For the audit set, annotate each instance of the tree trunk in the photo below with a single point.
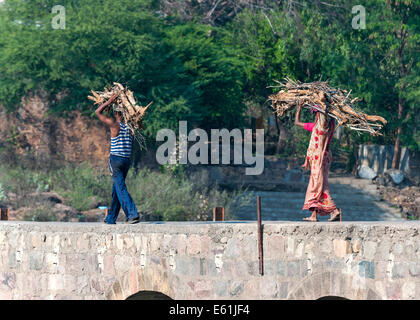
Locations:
(283, 135)
(397, 146)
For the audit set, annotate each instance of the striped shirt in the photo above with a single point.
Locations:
(121, 144)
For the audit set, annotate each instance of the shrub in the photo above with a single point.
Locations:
(170, 194)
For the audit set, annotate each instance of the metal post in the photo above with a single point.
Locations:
(260, 236)
(4, 214)
(219, 214)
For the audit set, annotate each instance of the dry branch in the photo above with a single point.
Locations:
(131, 113)
(337, 103)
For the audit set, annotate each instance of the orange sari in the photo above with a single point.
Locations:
(318, 160)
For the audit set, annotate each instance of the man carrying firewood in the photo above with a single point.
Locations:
(119, 163)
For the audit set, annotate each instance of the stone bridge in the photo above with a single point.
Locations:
(209, 260)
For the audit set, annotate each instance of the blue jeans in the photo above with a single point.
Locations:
(120, 197)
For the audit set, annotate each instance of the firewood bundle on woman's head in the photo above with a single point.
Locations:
(337, 103)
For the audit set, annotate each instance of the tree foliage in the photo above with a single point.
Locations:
(209, 73)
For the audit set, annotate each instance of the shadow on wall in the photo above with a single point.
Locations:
(149, 295)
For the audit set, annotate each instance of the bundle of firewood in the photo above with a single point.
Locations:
(131, 113)
(318, 95)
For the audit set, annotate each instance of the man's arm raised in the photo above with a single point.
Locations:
(99, 111)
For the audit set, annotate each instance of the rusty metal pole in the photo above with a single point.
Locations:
(219, 214)
(4, 214)
(260, 236)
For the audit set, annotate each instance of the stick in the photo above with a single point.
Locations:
(260, 237)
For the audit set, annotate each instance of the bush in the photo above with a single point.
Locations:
(78, 184)
(179, 198)
(170, 194)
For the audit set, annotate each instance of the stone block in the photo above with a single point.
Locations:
(393, 291)
(12, 260)
(82, 243)
(341, 247)
(233, 248)
(369, 249)
(205, 245)
(326, 283)
(408, 290)
(249, 246)
(269, 267)
(293, 268)
(283, 292)
(337, 264)
(220, 288)
(194, 267)
(122, 263)
(317, 285)
(290, 245)
(182, 266)
(275, 246)
(371, 295)
(8, 279)
(52, 262)
(240, 268)
(397, 248)
(367, 269)
(268, 288)
(203, 288)
(227, 269)
(414, 269)
(132, 281)
(55, 282)
(383, 250)
(253, 268)
(335, 284)
(181, 243)
(236, 288)
(281, 268)
(128, 241)
(399, 270)
(252, 289)
(193, 244)
(356, 246)
(108, 262)
(36, 260)
(381, 270)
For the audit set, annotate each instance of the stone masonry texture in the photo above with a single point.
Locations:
(210, 260)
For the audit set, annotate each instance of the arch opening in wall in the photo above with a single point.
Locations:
(332, 298)
(148, 295)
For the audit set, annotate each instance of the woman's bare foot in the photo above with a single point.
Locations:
(312, 218)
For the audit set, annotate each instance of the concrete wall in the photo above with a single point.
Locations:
(209, 260)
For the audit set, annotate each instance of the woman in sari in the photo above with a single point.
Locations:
(318, 159)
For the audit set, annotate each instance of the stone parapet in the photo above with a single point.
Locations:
(210, 260)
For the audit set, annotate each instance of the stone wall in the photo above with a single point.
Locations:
(379, 158)
(185, 260)
(279, 175)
